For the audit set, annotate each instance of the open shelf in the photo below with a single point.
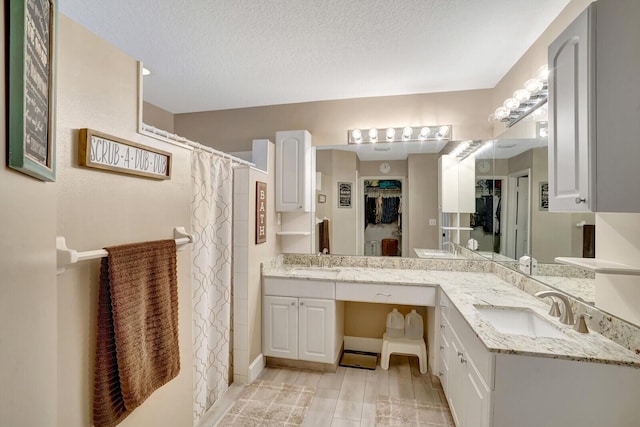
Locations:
(600, 265)
(293, 233)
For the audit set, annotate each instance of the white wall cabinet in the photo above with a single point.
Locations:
(486, 389)
(594, 119)
(294, 170)
(456, 184)
(302, 320)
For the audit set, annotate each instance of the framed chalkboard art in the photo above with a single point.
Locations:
(31, 145)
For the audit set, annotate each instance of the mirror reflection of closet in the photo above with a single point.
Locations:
(382, 217)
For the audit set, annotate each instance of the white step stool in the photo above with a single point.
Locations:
(403, 345)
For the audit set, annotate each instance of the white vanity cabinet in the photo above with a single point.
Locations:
(460, 370)
(294, 169)
(490, 389)
(594, 120)
(301, 320)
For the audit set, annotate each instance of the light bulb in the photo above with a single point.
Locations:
(511, 104)
(492, 117)
(522, 95)
(533, 85)
(406, 133)
(391, 133)
(424, 133)
(501, 113)
(356, 135)
(442, 132)
(543, 73)
(373, 134)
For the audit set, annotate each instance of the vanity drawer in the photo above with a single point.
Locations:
(300, 288)
(391, 294)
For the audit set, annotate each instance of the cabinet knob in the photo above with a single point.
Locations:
(441, 326)
(293, 303)
(440, 374)
(441, 347)
(301, 303)
(580, 200)
(463, 360)
(460, 354)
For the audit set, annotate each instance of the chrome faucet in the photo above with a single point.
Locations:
(567, 313)
(324, 259)
(451, 246)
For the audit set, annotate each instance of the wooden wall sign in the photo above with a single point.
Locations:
(101, 151)
(31, 117)
(261, 212)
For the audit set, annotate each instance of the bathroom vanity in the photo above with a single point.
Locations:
(546, 376)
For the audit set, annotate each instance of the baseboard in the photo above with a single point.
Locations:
(256, 367)
(371, 345)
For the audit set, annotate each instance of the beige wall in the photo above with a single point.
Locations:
(372, 168)
(97, 88)
(328, 121)
(157, 117)
(423, 202)
(28, 309)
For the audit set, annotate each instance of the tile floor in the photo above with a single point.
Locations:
(348, 396)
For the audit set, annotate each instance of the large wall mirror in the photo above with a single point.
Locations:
(511, 218)
(512, 189)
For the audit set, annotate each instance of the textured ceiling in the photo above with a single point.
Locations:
(222, 54)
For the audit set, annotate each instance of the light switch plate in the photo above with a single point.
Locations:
(432, 221)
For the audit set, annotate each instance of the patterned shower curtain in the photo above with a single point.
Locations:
(211, 216)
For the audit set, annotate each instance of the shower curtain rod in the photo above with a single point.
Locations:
(68, 256)
(193, 144)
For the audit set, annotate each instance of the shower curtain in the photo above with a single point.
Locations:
(211, 216)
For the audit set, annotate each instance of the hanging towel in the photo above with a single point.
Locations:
(137, 330)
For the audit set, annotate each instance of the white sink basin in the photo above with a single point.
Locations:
(320, 273)
(519, 321)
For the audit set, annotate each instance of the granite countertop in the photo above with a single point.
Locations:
(466, 290)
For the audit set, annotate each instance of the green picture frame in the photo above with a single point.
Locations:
(31, 87)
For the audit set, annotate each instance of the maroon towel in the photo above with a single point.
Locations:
(137, 348)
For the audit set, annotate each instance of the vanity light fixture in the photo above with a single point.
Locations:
(469, 148)
(533, 95)
(400, 134)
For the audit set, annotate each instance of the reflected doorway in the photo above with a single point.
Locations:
(518, 215)
(488, 219)
(382, 216)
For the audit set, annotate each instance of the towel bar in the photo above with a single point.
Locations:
(68, 256)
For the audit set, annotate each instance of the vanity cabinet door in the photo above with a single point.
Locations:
(475, 395)
(280, 327)
(572, 117)
(316, 330)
